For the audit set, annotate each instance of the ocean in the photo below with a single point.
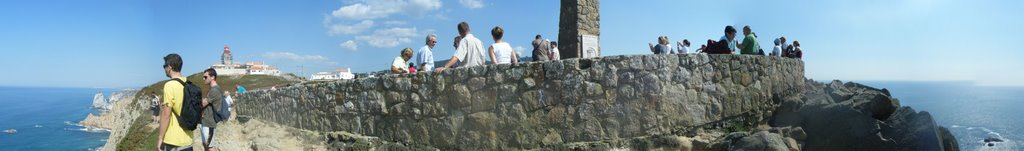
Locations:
(972, 113)
(47, 119)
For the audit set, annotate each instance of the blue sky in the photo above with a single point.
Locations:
(119, 43)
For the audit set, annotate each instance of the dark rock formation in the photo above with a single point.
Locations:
(857, 117)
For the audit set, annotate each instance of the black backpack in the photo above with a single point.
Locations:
(191, 107)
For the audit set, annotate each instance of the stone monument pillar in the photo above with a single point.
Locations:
(579, 29)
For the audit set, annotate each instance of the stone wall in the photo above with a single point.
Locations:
(577, 17)
(532, 105)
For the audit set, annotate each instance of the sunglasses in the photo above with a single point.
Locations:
(206, 77)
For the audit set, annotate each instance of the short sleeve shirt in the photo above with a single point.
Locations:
(214, 97)
(173, 95)
(425, 56)
(470, 51)
(400, 64)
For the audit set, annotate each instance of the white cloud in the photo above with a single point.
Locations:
(376, 15)
(373, 9)
(299, 58)
(394, 22)
(350, 45)
(473, 4)
(387, 38)
(336, 29)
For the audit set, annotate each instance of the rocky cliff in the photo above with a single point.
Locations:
(105, 104)
(689, 101)
(119, 111)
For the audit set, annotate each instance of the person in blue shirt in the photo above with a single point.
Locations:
(240, 88)
(730, 38)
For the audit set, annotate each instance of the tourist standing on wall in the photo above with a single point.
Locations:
(501, 52)
(540, 49)
(425, 56)
(398, 66)
(468, 52)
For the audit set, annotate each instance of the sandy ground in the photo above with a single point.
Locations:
(254, 134)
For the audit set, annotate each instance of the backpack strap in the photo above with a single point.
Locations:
(182, 93)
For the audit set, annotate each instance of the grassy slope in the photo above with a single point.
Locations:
(140, 137)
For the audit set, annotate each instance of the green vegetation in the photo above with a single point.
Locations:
(250, 82)
(141, 137)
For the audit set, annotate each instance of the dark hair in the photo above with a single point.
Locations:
(211, 72)
(729, 29)
(463, 27)
(497, 32)
(457, 39)
(174, 61)
(554, 43)
(538, 36)
(686, 42)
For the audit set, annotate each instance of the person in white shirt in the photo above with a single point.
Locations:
(778, 48)
(425, 56)
(785, 47)
(554, 51)
(470, 51)
(501, 52)
(398, 66)
(684, 46)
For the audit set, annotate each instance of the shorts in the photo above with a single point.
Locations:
(207, 137)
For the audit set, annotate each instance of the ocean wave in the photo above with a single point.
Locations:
(88, 129)
(37, 126)
(80, 127)
(72, 123)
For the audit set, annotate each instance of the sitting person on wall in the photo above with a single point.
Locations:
(398, 66)
(785, 47)
(725, 45)
(749, 45)
(662, 46)
(777, 49)
(684, 46)
(797, 51)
